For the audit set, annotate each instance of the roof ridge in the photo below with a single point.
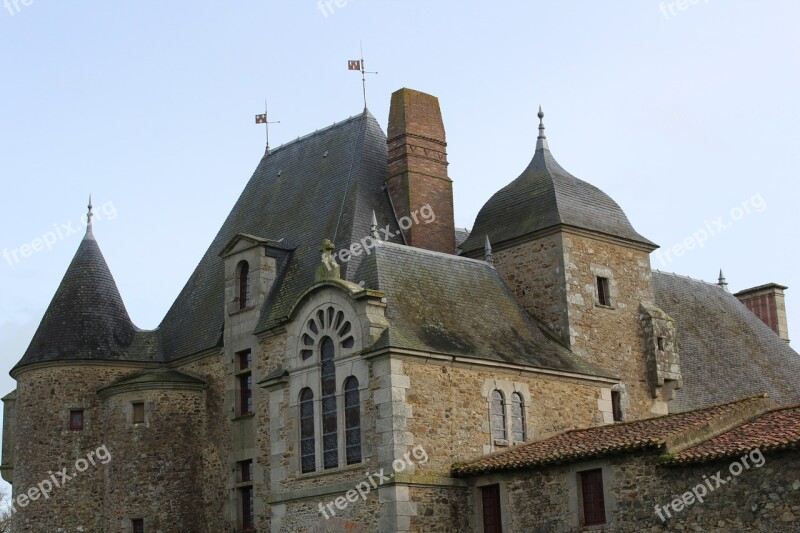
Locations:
(432, 252)
(684, 276)
(318, 131)
(642, 420)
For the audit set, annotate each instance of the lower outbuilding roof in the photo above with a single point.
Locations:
(694, 436)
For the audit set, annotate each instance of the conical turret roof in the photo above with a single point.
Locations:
(86, 319)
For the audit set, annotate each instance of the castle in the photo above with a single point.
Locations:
(344, 359)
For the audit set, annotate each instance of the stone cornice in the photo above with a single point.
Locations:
(485, 364)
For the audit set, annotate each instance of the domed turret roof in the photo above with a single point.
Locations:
(543, 196)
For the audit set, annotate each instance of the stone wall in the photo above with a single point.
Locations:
(555, 279)
(44, 445)
(450, 410)
(758, 499)
(534, 272)
(440, 509)
(214, 449)
(611, 336)
(156, 471)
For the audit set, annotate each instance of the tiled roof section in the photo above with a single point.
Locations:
(599, 441)
(453, 305)
(301, 192)
(86, 319)
(461, 236)
(726, 351)
(546, 195)
(162, 375)
(775, 430)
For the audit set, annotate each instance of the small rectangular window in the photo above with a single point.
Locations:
(603, 296)
(137, 525)
(594, 506)
(660, 343)
(616, 405)
(244, 360)
(138, 413)
(245, 394)
(244, 382)
(246, 508)
(76, 420)
(245, 471)
(490, 501)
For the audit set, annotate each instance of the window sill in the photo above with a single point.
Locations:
(243, 310)
(601, 306)
(331, 471)
(243, 417)
(501, 443)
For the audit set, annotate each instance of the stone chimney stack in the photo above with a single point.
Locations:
(421, 191)
(767, 303)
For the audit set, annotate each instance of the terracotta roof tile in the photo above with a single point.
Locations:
(775, 430)
(598, 441)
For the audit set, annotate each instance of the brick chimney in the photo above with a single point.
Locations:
(418, 171)
(767, 303)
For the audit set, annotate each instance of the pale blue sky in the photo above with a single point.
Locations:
(681, 117)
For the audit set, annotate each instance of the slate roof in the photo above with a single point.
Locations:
(546, 195)
(773, 431)
(161, 375)
(86, 319)
(726, 351)
(321, 186)
(599, 441)
(453, 305)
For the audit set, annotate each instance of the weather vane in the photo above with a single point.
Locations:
(263, 119)
(358, 64)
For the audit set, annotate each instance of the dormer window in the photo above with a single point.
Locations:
(243, 284)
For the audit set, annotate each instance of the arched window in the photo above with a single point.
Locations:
(517, 418)
(498, 416)
(352, 421)
(243, 283)
(307, 440)
(330, 435)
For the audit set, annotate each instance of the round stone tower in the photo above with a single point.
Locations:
(55, 432)
(154, 421)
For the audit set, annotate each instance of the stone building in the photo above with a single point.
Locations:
(341, 346)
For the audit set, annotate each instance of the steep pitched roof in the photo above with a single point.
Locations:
(581, 444)
(543, 196)
(324, 185)
(726, 351)
(454, 305)
(773, 431)
(86, 319)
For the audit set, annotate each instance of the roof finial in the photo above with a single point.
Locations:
(89, 216)
(541, 124)
(722, 282)
(373, 227)
(487, 251)
(541, 140)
